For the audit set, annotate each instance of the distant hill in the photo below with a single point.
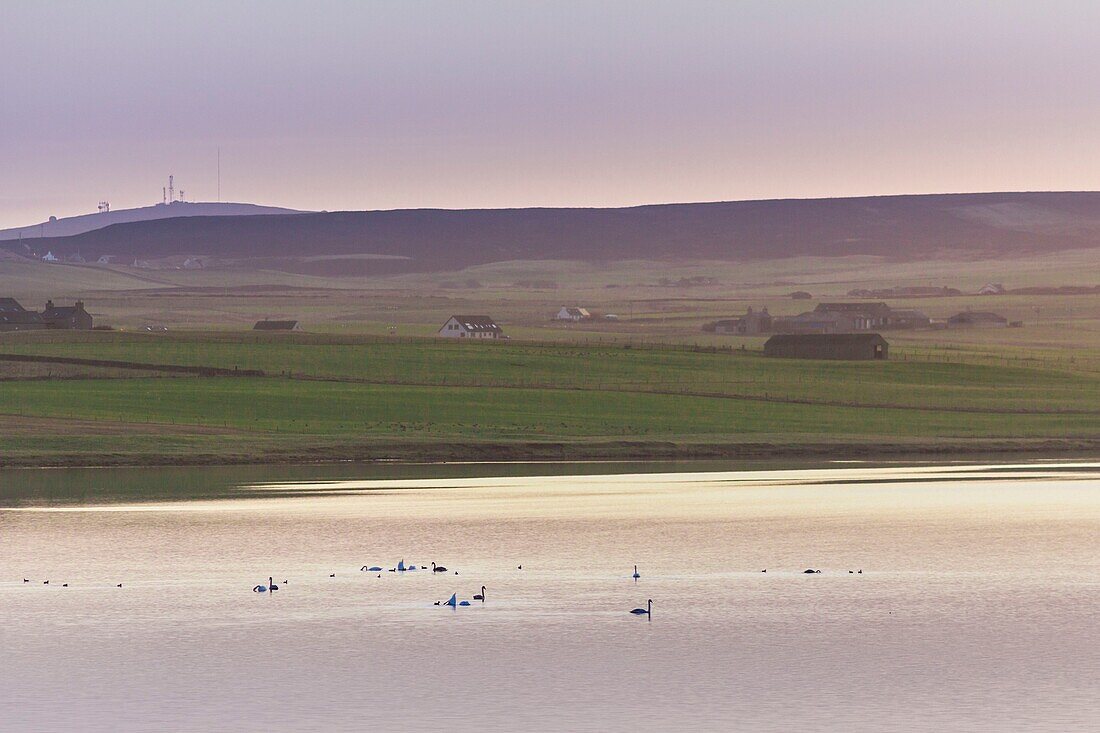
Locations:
(905, 228)
(73, 225)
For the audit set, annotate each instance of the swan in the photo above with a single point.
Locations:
(374, 569)
(480, 596)
(764, 570)
(636, 576)
(464, 603)
(25, 580)
(438, 568)
(45, 582)
(271, 584)
(259, 589)
(810, 571)
(332, 575)
(647, 611)
(119, 585)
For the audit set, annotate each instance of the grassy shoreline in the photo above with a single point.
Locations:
(490, 452)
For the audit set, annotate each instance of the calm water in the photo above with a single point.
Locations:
(976, 610)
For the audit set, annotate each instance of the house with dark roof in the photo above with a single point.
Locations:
(266, 325)
(70, 317)
(841, 346)
(473, 327)
(14, 317)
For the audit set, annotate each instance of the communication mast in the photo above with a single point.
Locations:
(104, 207)
(171, 188)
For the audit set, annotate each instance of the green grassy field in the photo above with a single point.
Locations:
(326, 396)
(926, 380)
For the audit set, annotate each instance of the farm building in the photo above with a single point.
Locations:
(266, 325)
(753, 322)
(72, 317)
(864, 316)
(475, 327)
(14, 317)
(977, 318)
(845, 346)
(572, 314)
(813, 322)
(909, 318)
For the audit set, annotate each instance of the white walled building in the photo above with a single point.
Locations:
(474, 327)
(572, 314)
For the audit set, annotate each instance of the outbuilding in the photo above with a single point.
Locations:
(977, 318)
(842, 346)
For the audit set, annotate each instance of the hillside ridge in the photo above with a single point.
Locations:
(904, 228)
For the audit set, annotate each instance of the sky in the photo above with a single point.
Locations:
(379, 105)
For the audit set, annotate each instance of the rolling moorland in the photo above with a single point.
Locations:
(366, 380)
(903, 228)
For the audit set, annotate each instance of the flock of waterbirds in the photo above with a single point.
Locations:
(453, 601)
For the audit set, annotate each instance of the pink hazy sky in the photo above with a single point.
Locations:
(367, 105)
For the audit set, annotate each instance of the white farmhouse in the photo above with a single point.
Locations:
(572, 314)
(473, 327)
(50, 257)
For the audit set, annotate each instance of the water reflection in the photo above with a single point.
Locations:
(975, 610)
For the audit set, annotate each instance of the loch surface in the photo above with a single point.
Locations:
(976, 609)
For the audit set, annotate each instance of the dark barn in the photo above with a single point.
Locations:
(266, 325)
(846, 346)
